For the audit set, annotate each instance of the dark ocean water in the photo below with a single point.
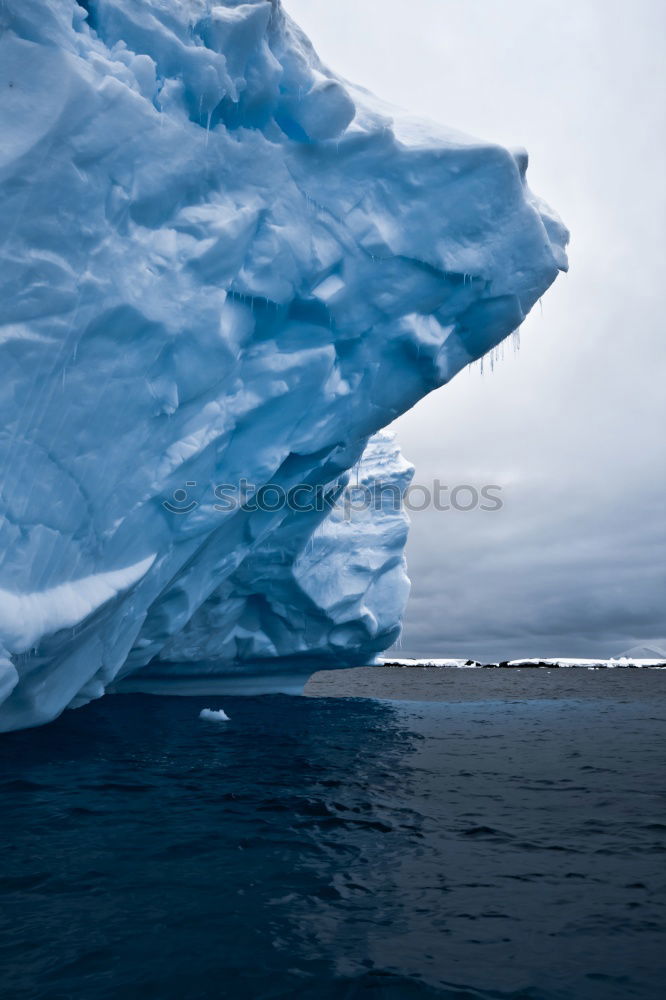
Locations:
(320, 847)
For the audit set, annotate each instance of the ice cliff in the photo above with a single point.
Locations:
(220, 262)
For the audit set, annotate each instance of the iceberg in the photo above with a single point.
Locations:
(221, 264)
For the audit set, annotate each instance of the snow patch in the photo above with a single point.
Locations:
(25, 619)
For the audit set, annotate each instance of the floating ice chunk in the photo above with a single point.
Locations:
(214, 715)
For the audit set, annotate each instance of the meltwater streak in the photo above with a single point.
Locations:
(318, 847)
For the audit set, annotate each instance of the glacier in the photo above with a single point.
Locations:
(221, 262)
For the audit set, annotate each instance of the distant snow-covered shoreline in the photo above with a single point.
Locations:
(591, 664)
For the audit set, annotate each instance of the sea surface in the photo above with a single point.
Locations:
(505, 840)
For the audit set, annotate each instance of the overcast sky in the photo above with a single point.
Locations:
(572, 426)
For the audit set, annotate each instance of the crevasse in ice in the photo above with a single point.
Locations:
(220, 262)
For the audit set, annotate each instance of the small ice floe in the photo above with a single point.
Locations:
(214, 715)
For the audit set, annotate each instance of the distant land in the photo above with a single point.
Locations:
(645, 656)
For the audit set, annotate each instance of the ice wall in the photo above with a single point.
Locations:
(219, 262)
